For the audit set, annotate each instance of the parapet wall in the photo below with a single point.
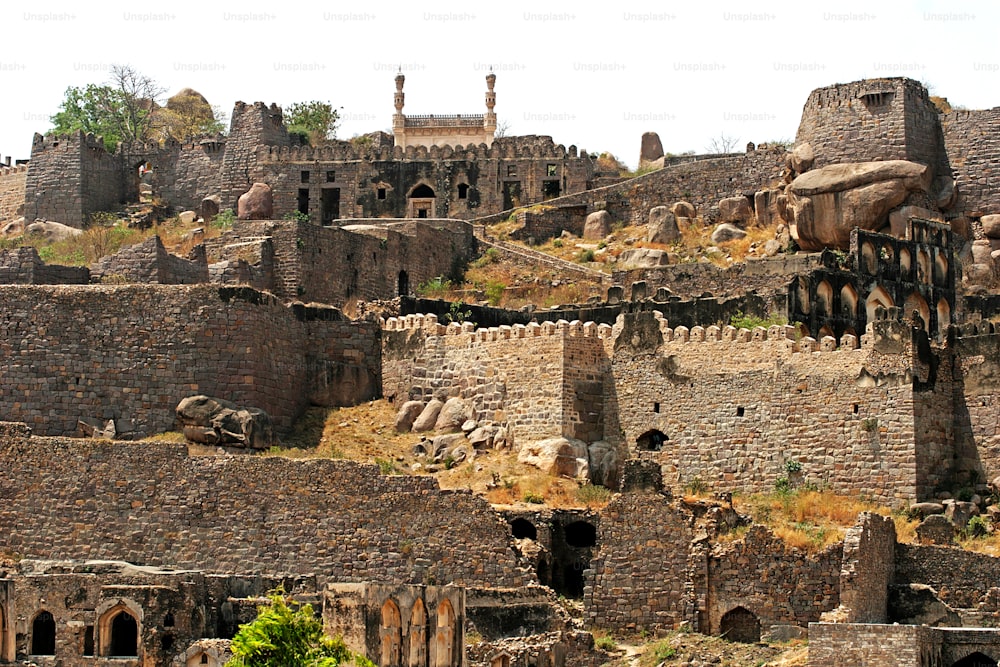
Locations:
(131, 353)
(23, 266)
(972, 139)
(270, 515)
(12, 182)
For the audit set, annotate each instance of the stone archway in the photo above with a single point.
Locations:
(418, 634)
(390, 636)
(824, 299)
(121, 635)
(849, 301)
(43, 634)
(421, 201)
(917, 304)
(444, 638)
(651, 441)
(878, 298)
(740, 625)
(976, 659)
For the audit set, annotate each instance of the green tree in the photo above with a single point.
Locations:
(315, 120)
(121, 110)
(189, 115)
(285, 634)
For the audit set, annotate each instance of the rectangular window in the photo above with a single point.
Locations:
(304, 177)
(512, 170)
(381, 193)
(550, 170)
(331, 176)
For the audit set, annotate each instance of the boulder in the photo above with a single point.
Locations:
(959, 512)
(727, 232)
(772, 248)
(482, 437)
(454, 413)
(735, 209)
(605, 464)
(408, 414)
(502, 439)
(210, 207)
(924, 510)
(257, 203)
(555, 456)
(187, 217)
(981, 252)
(900, 217)
(683, 209)
(827, 203)
(13, 228)
(662, 226)
(991, 226)
(643, 258)
(651, 148)
(469, 426)
(936, 529)
(919, 604)
(216, 421)
(597, 226)
(51, 231)
(426, 420)
(802, 157)
(442, 445)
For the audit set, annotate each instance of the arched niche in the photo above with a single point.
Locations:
(445, 636)
(915, 303)
(390, 636)
(876, 299)
(869, 260)
(849, 301)
(418, 634)
(740, 625)
(43, 634)
(824, 299)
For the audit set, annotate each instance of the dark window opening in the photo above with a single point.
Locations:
(512, 170)
(331, 176)
(550, 170)
(543, 572)
(740, 410)
(380, 193)
(124, 636)
(855, 407)
(304, 177)
(656, 408)
(330, 206)
(463, 190)
(740, 625)
(511, 194)
(651, 441)
(580, 534)
(573, 579)
(43, 634)
(403, 283)
(168, 620)
(204, 658)
(550, 189)
(303, 201)
(167, 643)
(523, 529)
(976, 659)
(422, 191)
(88, 640)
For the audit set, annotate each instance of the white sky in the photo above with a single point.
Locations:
(596, 76)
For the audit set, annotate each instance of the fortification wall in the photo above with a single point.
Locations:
(976, 407)
(739, 410)
(972, 139)
(150, 263)
(867, 569)
(23, 266)
(850, 644)
(251, 125)
(270, 515)
(873, 119)
(963, 579)
(639, 578)
(776, 583)
(193, 173)
(69, 177)
(12, 184)
(543, 380)
(133, 352)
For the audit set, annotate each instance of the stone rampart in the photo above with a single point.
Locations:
(972, 139)
(150, 263)
(963, 579)
(976, 405)
(12, 182)
(133, 352)
(23, 266)
(151, 503)
(851, 644)
(867, 569)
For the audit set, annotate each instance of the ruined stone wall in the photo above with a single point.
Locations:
(850, 645)
(270, 515)
(740, 415)
(251, 125)
(537, 226)
(703, 183)
(70, 177)
(638, 580)
(12, 184)
(133, 352)
(867, 569)
(542, 380)
(149, 263)
(962, 579)
(193, 173)
(972, 139)
(977, 408)
(23, 266)
(873, 119)
(777, 583)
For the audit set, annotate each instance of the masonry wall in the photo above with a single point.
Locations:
(850, 645)
(12, 182)
(251, 125)
(150, 263)
(737, 415)
(193, 172)
(972, 139)
(962, 579)
(23, 266)
(778, 584)
(867, 568)
(976, 407)
(151, 503)
(638, 580)
(133, 352)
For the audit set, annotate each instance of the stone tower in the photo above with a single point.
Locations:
(490, 120)
(444, 129)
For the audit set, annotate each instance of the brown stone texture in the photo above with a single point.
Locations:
(12, 181)
(256, 203)
(973, 142)
(23, 266)
(154, 504)
(867, 569)
(133, 352)
(651, 149)
(150, 263)
(850, 645)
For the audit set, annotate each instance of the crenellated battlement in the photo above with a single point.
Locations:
(431, 326)
(340, 151)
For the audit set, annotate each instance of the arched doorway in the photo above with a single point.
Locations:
(651, 441)
(43, 634)
(740, 625)
(420, 203)
(444, 638)
(390, 636)
(418, 634)
(878, 298)
(917, 304)
(976, 659)
(521, 529)
(124, 639)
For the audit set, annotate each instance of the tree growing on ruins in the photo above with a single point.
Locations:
(188, 115)
(121, 110)
(316, 121)
(722, 144)
(285, 633)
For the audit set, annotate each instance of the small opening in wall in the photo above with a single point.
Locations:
(304, 177)
(512, 170)
(331, 176)
(550, 170)
(656, 407)
(855, 408)
(463, 191)
(381, 193)
(740, 410)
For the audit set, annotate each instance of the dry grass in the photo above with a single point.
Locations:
(987, 544)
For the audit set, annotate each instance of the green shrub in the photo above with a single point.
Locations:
(590, 493)
(225, 219)
(606, 643)
(295, 216)
(695, 486)
(435, 288)
(586, 255)
(743, 321)
(978, 526)
(533, 498)
(494, 291)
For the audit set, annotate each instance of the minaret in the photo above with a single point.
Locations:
(490, 119)
(398, 119)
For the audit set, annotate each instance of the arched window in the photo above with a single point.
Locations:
(940, 268)
(848, 301)
(824, 299)
(917, 304)
(463, 190)
(651, 441)
(43, 634)
(444, 638)
(418, 634)
(124, 640)
(869, 262)
(422, 191)
(580, 534)
(923, 267)
(740, 625)
(521, 529)
(391, 638)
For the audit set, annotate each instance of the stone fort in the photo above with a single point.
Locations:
(136, 552)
